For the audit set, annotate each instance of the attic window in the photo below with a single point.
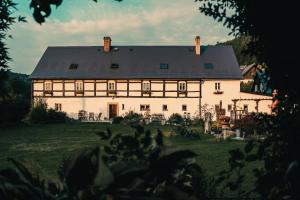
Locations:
(73, 66)
(114, 66)
(208, 66)
(164, 66)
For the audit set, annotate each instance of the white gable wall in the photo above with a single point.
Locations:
(230, 89)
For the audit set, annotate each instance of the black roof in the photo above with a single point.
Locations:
(138, 62)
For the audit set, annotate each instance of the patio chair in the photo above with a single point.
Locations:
(82, 115)
(92, 116)
(98, 118)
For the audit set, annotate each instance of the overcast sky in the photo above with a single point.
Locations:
(131, 22)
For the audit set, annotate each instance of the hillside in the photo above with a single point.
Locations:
(239, 45)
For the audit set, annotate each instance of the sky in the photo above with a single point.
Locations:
(130, 22)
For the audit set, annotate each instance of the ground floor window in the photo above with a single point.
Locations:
(57, 106)
(229, 107)
(184, 107)
(144, 107)
(165, 107)
(246, 108)
(123, 106)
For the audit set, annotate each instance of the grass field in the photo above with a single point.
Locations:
(47, 144)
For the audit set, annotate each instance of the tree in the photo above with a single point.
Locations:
(42, 9)
(239, 46)
(271, 27)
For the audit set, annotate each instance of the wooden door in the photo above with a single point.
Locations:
(113, 110)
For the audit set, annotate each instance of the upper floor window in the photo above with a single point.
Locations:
(182, 86)
(48, 86)
(218, 86)
(79, 86)
(146, 86)
(111, 86)
(73, 66)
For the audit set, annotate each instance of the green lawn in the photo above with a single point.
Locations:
(46, 144)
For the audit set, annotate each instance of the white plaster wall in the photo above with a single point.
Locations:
(264, 106)
(100, 104)
(230, 88)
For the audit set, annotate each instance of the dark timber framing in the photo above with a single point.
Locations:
(93, 92)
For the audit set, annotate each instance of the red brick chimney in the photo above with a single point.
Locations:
(106, 44)
(197, 45)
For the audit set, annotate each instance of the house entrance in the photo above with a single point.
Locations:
(112, 110)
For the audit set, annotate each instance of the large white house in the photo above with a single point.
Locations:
(114, 80)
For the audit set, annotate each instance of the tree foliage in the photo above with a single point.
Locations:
(15, 101)
(273, 38)
(42, 9)
(239, 46)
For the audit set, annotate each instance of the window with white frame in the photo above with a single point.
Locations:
(57, 106)
(218, 86)
(144, 107)
(146, 86)
(48, 86)
(182, 86)
(79, 86)
(111, 86)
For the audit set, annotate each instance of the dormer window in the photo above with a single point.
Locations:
(182, 86)
(208, 66)
(73, 66)
(164, 66)
(114, 66)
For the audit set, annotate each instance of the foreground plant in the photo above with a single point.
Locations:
(130, 166)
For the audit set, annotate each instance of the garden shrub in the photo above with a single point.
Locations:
(185, 131)
(216, 127)
(132, 118)
(175, 118)
(197, 121)
(40, 114)
(54, 116)
(117, 120)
